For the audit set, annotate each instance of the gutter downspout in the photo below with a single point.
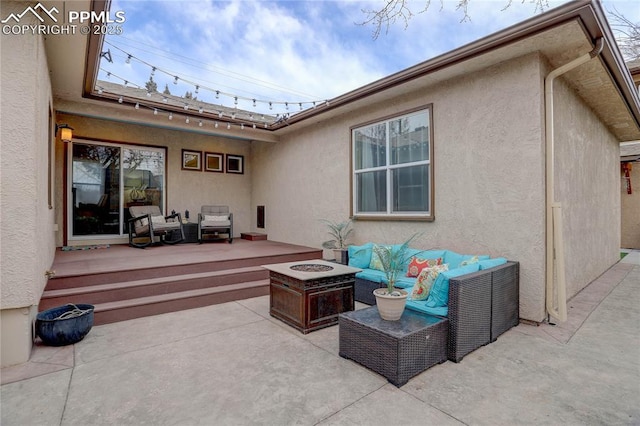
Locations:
(554, 241)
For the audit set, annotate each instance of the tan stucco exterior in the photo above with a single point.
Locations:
(489, 173)
(587, 186)
(488, 125)
(28, 240)
(186, 189)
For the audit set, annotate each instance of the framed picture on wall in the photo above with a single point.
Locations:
(214, 162)
(235, 163)
(191, 160)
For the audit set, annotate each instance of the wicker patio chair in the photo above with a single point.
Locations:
(148, 222)
(215, 220)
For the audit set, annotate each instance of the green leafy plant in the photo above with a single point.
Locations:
(340, 233)
(394, 261)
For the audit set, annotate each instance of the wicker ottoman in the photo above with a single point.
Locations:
(398, 350)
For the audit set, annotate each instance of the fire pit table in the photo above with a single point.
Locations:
(310, 294)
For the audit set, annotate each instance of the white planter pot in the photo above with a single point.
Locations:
(390, 307)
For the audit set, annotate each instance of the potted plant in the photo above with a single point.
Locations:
(390, 300)
(340, 233)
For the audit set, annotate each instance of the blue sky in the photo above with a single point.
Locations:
(293, 51)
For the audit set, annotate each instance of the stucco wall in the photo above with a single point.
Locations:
(185, 189)
(587, 177)
(630, 206)
(489, 193)
(26, 222)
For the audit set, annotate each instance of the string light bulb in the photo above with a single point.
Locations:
(176, 79)
(228, 126)
(200, 109)
(200, 123)
(186, 120)
(128, 61)
(197, 88)
(170, 116)
(120, 100)
(137, 105)
(155, 111)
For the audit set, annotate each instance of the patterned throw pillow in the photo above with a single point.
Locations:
(425, 280)
(474, 259)
(417, 265)
(375, 259)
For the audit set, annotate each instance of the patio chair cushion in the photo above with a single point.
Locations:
(212, 218)
(439, 293)
(492, 263)
(421, 306)
(215, 224)
(372, 275)
(166, 226)
(425, 281)
(360, 256)
(156, 220)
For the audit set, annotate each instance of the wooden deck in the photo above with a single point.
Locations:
(124, 282)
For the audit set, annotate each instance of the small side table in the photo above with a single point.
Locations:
(190, 231)
(398, 350)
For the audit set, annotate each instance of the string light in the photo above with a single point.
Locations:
(236, 98)
(187, 120)
(137, 105)
(155, 111)
(128, 61)
(170, 116)
(200, 123)
(120, 100)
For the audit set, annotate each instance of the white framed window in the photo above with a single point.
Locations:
(392, 167)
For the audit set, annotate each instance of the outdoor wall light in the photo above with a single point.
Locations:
(66, 132)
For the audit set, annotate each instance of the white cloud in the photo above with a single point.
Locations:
(297, 50)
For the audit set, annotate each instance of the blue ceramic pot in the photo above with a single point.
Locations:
(70, 329)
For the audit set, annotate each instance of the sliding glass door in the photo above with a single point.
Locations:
(105, 180)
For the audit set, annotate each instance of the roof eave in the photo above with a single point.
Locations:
(588, 12)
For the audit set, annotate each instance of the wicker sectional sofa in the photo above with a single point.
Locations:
(481, 305)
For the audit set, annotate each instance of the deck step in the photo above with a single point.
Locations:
(123, 310)
(126, 283)
(103, 293)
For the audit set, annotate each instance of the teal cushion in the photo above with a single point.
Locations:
(372, 275)
(453, 259)
(421, 306)
(360, 256)
(492, 263)
(404, 282)
(439, 293)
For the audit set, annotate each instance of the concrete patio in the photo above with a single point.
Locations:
(232, 364)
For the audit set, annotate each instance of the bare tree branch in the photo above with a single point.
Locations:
(627, 35)
(399, 10)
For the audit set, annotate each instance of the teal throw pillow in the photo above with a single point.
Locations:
(360, 256)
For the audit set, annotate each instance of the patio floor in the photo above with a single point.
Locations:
(232, 364)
